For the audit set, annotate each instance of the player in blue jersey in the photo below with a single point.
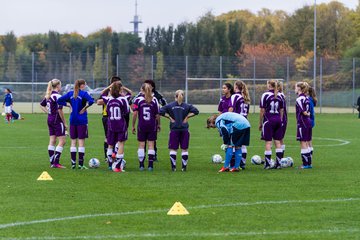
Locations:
(146, 109)
(179, 113)
(235, 131)
(312, 105)
(270, 125)
(79, 101)
(56, 122)
(7, 104)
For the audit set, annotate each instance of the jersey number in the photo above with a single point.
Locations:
(146, 113)
(274, 107)
(48, 107)
(115, 113)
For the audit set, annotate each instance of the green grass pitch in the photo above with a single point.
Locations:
(322, 203)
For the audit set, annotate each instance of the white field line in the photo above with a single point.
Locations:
(199, 234)
(15, 224)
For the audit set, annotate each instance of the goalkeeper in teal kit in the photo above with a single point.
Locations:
(235, 131)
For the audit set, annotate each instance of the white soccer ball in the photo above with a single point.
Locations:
(286, 162)
(94, 163)
(3, 114)
(256, 160)
(216, 158)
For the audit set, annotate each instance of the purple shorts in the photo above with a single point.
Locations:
(272, 130)
(283, 129)
(304, 133)
(56, 129)
(78, 131)
(177, 138)
(143, 136)
(113, 137)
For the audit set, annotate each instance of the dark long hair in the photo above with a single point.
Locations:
(116, 89)
(230, 87)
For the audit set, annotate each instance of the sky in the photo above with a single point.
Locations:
(86, 16)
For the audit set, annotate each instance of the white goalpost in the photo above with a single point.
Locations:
(250, 82)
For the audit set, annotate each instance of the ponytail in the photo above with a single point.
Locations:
(116, 89)
(51, 86)
(147, 89)
(243, 90)
(179, 96)
(276, 89)
(77, 85)
(274, 85)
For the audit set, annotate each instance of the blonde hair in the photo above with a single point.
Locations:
(77, 85)
(243, 90)
(274, 84)
(116, 89)
(304, 87)
(179, 96)
(52, 84)
(147, 89)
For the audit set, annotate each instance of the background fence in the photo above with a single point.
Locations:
(337, 83)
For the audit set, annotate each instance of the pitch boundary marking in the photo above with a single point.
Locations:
(239, 204)
(198, 234)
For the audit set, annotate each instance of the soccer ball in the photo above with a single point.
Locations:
(286, 162)
(216, 158)
(3, 114)
(94, 163)
(256, 160)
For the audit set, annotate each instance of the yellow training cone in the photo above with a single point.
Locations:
(45, 177)
(178, 209)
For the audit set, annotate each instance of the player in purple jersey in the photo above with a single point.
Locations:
(79, 101)
(146, 109)
(225, 101)
(284, 125)
(270, 125)
(117, 108)
(56, 122)
(179, 113)
(304, 128)
(240, 103)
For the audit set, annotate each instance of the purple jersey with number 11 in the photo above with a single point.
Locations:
(147, 113)
(271, 105)
(116, 109)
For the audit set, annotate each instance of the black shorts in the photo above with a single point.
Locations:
(105, 121)
(240, 137)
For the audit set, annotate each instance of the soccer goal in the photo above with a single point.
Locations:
(209, 90)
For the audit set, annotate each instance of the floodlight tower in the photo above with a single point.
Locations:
(136, 20)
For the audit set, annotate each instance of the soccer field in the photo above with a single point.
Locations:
(321, 203)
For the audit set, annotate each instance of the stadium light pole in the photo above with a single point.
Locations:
(315, 45)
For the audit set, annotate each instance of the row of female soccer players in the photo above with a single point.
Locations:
(273, 118)
(116, 102)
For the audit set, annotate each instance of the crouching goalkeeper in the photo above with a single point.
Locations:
(235, 131)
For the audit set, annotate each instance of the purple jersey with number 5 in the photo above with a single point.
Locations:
(116, 109)
(146, 113)
(271, 105)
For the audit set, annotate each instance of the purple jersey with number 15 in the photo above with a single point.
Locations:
(239, 106)
(116, 109)
(146, 112)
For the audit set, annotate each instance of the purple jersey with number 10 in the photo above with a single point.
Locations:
(116, 109)
(146, 113)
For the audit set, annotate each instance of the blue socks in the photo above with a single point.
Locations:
(238, 157)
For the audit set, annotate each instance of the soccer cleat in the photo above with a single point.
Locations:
(141, 169)
(242, 165)
(58, 165)
(173, 169)
(82, 167)
(117, 170)
(305, 167)
(150, 169)
(235, 170)
(224, 169)
(110, 168)
(183, 169)
(73, 166)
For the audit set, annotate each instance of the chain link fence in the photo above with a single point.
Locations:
(337, 80)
